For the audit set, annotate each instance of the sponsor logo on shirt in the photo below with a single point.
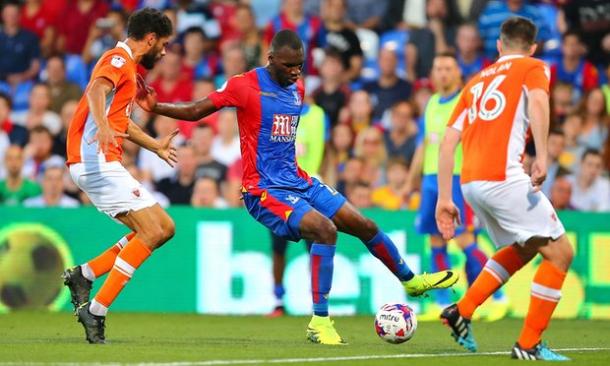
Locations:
(284, 128)
(297, 97)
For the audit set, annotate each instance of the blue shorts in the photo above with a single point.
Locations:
(425, 221)
(282, 209)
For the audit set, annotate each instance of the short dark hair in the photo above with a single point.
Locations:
(590, 151)
(556, 131)
(195, 30)
(518, 32)
(286, 38)
(41, 129)
(8, 99)
(572, 33)
(449, 54)
(148, 20)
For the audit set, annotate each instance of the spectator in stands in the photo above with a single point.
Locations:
(590, 191)
(39, 113)
(469, 56)
(359, 194)
(333, 93)
(15, 133)
(249, 37)
(366, 13)
(389, 88)
(104, 34)
(591, 18)
(172, 85)
(39, 153)
(351, 174)
(179, 187)
(191, 13)
(77, 18)
(16, 188)
(595, 120)
(224, 12)
(67, 112)
(572, 151)
(233, 63)
(207, 166)
(371, 148)
(225, 145)
(359, 111)
(561, 193)
(152, 168)
(19, 48)
(61, 90)
(573, 69)
(52, 190)
(401, 139)
(338, 153)
(497, 11)
(335, 34)
(555, 146)
(207, 194)
(200, 59)
(562, 101)
(437, 37)
(423, 92)
(293, 17)
(391, 196)
(37, 19)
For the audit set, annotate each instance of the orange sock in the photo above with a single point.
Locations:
(496, 272)
(128, 260)
(101, 264)
(546, 292)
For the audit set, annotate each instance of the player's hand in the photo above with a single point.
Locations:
(146, 97)
(538, 173)
(166, 151)
(447, 218)
(106, 136)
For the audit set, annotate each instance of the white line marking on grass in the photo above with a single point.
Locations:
(290, 360)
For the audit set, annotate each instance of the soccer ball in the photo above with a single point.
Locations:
(395, 323)
(30, 267)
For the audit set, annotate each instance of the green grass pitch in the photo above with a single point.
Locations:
(179, 340)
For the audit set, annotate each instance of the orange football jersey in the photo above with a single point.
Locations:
(118, 66)
(492, 115)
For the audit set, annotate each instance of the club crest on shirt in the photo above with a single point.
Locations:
(297, 97)
(284, 128)
(117, 61)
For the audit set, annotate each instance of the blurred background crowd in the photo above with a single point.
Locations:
(367, 82)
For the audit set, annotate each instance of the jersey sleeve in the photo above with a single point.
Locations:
(538, 77)
(460, 112)
(112, 68)
(232, 94)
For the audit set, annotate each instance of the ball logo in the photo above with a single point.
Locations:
(284, 128)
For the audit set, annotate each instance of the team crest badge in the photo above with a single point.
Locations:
(136, 192)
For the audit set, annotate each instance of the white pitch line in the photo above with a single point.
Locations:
(290, 360)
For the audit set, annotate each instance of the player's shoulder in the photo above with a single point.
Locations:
(244, 79)
(116, 57)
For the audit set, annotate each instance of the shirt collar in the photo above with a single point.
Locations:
(124, 46)
(509, 57)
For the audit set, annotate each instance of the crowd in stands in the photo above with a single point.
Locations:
(367, 83)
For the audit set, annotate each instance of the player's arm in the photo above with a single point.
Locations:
(446, 212)
(163, 147)
(539, 115)
(96, 99)
(187, 111)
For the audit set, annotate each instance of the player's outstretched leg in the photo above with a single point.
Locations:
(545, 295)
(80, 278)
(350, 221)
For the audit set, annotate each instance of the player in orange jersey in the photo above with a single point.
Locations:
(100, 123)
(492, 117)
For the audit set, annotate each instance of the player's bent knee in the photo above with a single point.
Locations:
(370, 227)
(327, 232)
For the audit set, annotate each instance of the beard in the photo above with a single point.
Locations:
(149, 60)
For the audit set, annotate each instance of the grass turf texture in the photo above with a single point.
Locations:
(168, 338)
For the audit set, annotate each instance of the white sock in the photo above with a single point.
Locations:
(87, 272)
(98, 309)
